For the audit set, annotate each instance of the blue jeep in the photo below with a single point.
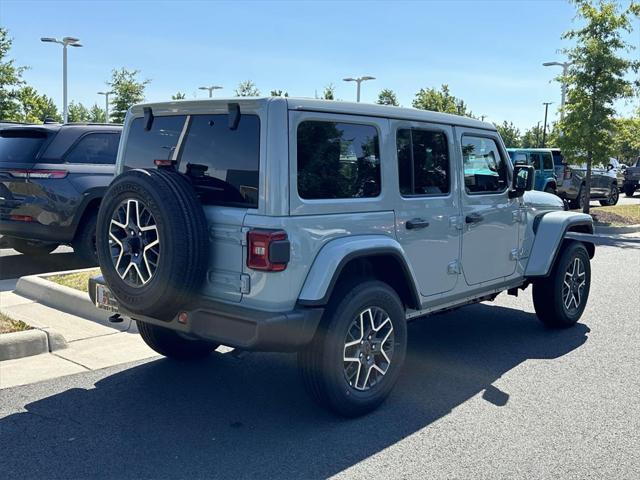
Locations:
(542, 161)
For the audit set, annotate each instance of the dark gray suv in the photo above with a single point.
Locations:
(52, 178)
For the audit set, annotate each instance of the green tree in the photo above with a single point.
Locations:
(278, 93)
(78, 113)
(329, 92)
(387, 97)
(596, 80)
(626, 142)
(532, 137)
(35, 108)
(128, 91)
(10, 80)
(97, 114)
(440, 101)
(179, 96)
(247, 89)
(510, 134)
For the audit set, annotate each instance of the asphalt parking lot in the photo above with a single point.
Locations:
(487, 392)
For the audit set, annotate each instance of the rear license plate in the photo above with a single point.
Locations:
(105, 299)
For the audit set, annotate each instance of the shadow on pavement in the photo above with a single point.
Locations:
(249, 416)
(18, 265)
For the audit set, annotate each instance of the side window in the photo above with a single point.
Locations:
(338, 160)
(95, 148)
(485, 171)
(547, 161)
(535, 161)
(423, 162)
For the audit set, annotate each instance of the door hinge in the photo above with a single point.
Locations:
(456, 222)
(516, 254)
(518, 215)
(453, 268)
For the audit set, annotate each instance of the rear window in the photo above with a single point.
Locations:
(547, 161)
(20, 146)
(95, 149)
(338, 160)
(222, 164)
(558, 159)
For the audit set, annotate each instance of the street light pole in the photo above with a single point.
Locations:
(563, 86)
(358, 81)
(65, 42)
(544, 129)
(106, 105)
(210, 89)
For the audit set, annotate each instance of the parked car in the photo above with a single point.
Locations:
(542, 161)
(571, 182)
(322, 228)
(631, 178)
(52, 178)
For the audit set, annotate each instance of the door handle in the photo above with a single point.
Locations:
(473, 218)
(416, 223)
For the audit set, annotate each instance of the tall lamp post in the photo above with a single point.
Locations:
(210, 89)
(106, 105)
(65, 42)
(544, 129)
(565, 68)
(358, 81)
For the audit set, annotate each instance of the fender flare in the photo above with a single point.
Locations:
(336, 254)
(550, 230)
(90, 195)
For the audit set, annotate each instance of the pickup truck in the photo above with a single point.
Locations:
(631, 179)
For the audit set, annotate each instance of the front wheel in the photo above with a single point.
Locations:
(171, 344)
(358, 351)
(32, 247)
(612, 198)
(560, 298)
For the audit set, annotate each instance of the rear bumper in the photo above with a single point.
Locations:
(35, 231)
(633, 182)
(237, 326)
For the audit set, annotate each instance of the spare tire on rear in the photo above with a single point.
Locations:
(152, 241)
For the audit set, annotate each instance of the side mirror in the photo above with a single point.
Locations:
(609, 167)
(523, 176)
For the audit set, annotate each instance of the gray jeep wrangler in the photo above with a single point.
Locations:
(322, 227)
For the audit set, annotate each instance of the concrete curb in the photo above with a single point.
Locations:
(607, 230)
(61, 298)
(30, 342)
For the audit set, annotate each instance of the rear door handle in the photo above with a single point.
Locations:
(473, 218)
(416, 223)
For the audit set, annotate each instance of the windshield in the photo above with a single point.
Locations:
(20, 146)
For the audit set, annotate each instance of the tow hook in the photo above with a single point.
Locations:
(115, 318)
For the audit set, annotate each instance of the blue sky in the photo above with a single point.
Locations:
(489, 52)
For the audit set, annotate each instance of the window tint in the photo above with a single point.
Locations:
(95, 148)
(423, 162)
(20, 145)
(223, 164)
(484, 169)
(547, 161)
(535, 160)
(337, 160)
(158, 143)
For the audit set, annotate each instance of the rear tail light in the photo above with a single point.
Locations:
(268, 250)
(21, 218)
(567, 172)
(38, 173)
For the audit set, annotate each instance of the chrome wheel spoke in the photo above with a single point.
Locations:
(368, 348)
(135, 242)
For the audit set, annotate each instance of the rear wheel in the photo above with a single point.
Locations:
(358, 351)
(612, 198)
(85, 242)
(32, 247)
(629, 190)
(560, 298)
(171, 344)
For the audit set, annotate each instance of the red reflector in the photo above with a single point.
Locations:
(183, 318)
(259, 242)
(21, 218)
(163, 163)
(38, 173)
